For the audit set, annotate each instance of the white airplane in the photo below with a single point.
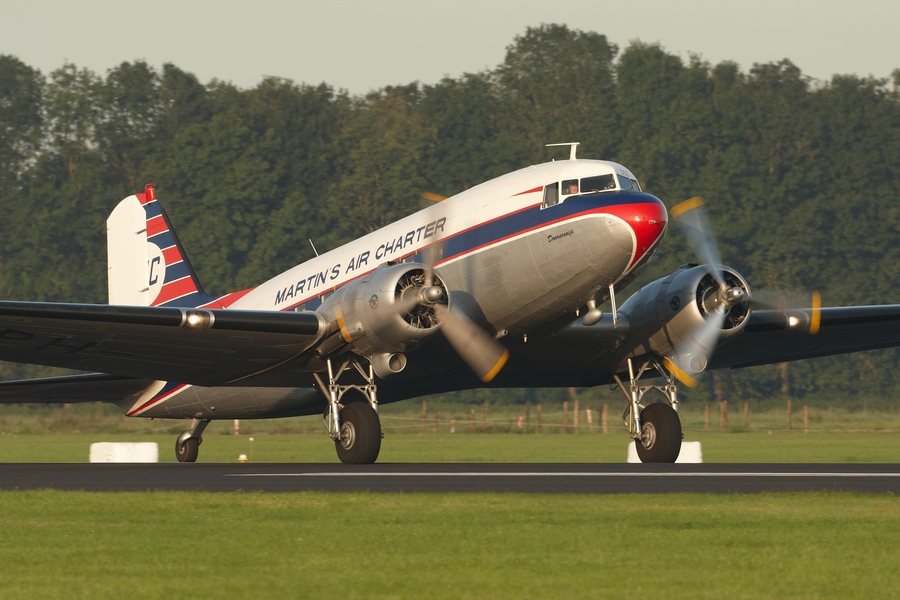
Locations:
(496, 286)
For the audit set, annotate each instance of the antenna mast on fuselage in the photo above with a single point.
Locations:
(573, 146)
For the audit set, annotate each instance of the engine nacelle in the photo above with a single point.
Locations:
(378, 316)
(665, 314)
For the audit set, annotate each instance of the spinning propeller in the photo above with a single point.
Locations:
(718, 300)
(484, 355)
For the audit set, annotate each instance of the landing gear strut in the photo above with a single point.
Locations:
(187, 446)
(655, 428)
(355, 426)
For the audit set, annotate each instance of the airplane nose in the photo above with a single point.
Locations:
(648, 221)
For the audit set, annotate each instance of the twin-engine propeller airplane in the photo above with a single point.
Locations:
(498, 285)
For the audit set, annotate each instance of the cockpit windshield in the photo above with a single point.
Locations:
(598, 183)
(557, 191)
(628, 185)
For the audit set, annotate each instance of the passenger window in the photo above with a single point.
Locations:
(570, 186)
(551, 195)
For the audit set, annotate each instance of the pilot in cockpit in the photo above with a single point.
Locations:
(571, 186)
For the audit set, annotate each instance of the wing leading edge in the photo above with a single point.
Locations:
(195, 346)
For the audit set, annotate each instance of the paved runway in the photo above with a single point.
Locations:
(455, 477)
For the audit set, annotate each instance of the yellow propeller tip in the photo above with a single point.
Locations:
(489, 376)
(345, 333)
(679, 374)
(689, 204)
(816, 318)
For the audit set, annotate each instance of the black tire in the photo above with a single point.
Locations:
(660, 434)
(360, 440)
(188, 451)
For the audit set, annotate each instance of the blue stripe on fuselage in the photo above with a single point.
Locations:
(520, 222)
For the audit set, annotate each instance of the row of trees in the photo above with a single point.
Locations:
(800, 176)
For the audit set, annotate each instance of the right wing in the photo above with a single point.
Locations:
(194, 346)
(90, 387)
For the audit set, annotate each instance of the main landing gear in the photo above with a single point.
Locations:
(187, 446)
(655, 428)
(354, 426)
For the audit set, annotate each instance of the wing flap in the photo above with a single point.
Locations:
(195, 346)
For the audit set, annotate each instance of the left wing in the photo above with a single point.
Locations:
(768, 339)
(194, 346)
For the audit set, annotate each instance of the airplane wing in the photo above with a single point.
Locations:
(585, 356)
(768, 340)
(89, 387)
(195, 346)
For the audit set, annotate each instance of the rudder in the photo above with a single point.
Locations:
(147, 265)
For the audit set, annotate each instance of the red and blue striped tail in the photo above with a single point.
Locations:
(172, 280)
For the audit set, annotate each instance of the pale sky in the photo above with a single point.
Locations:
(360, 45)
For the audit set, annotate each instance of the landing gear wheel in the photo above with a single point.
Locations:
(188, 450)
(660, 434)
(360, 435)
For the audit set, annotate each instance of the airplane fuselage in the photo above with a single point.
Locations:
(497, 244)
(516, 252)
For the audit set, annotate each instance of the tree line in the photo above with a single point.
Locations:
(800, 175)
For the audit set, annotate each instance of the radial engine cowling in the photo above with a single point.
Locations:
(380, 317)
(669, 315)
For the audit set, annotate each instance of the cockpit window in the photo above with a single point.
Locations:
(628, 185)
(551, 194)
(599, 183)
(570, 186)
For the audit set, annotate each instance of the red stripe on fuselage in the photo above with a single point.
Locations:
(157, 400)
(647, 221)
(531, 191)
(226, 300)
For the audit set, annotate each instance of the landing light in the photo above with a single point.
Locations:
(197, 320)
(793, 322)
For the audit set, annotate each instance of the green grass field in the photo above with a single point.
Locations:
(57, 434)
(316, 545)
(461, 447)
(312, 545)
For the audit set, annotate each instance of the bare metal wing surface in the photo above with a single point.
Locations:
(193, 346)
(769, 339)
(575, 355)
(584, 356)
(88, 387)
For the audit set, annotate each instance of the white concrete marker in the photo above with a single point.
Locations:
(124, 452)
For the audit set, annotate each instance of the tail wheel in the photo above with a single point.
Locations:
(188, 450)
(661, 435)
(360, 436)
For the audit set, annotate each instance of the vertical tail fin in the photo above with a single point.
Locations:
(146, 264)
